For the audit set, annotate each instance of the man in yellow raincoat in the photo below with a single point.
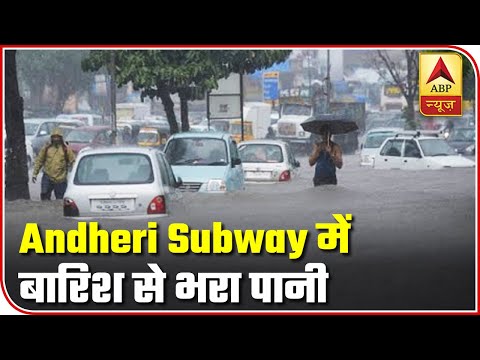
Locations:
(56, 158)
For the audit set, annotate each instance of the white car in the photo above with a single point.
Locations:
(121, 181)
(372, 140)
(267, 160)
(417, 152)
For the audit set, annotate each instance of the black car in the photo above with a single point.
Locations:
(463, 140)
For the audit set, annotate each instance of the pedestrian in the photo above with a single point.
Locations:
(327, 157)
(270, 133)
(56, 158)
(127, 136)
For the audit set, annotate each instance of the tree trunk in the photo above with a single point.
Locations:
(167, 102)
(410, 123)
(184, 109)
(16, 171)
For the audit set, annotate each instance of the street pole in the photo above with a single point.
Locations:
(327, 81)
(113, 93)
(241, 104)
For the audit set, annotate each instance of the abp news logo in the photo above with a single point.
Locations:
(440, 84)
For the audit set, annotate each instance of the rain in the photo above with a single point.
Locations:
(412, 242)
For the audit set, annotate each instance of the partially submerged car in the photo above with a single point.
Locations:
(462, 139)
(418, 152)
(206, 161)
(121, 181)
(265, 160)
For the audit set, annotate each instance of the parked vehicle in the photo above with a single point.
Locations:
(153, 136)
(418, 152)
(463, 140)
(38, 130)
(268, 161)
(87, 119)
(206, 161)
(121, 181)
(90, 136)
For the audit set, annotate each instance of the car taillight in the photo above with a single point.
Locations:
(70, 208)
(157, 205)
(285, 176)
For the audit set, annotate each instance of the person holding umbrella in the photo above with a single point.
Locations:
(327, 157)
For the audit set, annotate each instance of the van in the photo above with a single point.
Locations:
(206, 162)
(88, 119)
(152, 136)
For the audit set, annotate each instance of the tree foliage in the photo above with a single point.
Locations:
(190, 73)
(59, 70)
(402, 73)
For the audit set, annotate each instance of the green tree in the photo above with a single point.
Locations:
(16, 172)
(402, 73)
(60, 70)
(190, 73)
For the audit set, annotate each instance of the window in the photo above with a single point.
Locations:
(114, 168)
(392, 148)
(197, 151)
(411, 149)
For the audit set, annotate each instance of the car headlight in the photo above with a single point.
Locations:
(217, 185)
(301, 133)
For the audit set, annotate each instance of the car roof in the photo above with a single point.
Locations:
(39, 120)
(115, 149)
(409, 137)
(262, 141)
(93, 128)
(203, 134)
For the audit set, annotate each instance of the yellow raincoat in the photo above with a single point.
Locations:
(55, 160)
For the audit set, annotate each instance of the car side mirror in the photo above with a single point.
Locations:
(236, 161)
(361, 146)
(179, 182)
(297, 163)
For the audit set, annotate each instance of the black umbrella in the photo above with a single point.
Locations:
(329, 123)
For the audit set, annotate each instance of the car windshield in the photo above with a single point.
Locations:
(297, 109)
(436, 147)
(261, 153)
(197, 151)
(115, 168)
(375, 140)
(463, 135)
(80, 136)
(148, 137)
(30, 128)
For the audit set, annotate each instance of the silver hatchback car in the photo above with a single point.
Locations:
(121, 181)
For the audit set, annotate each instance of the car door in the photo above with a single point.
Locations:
(412, 157)
(390, 155)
